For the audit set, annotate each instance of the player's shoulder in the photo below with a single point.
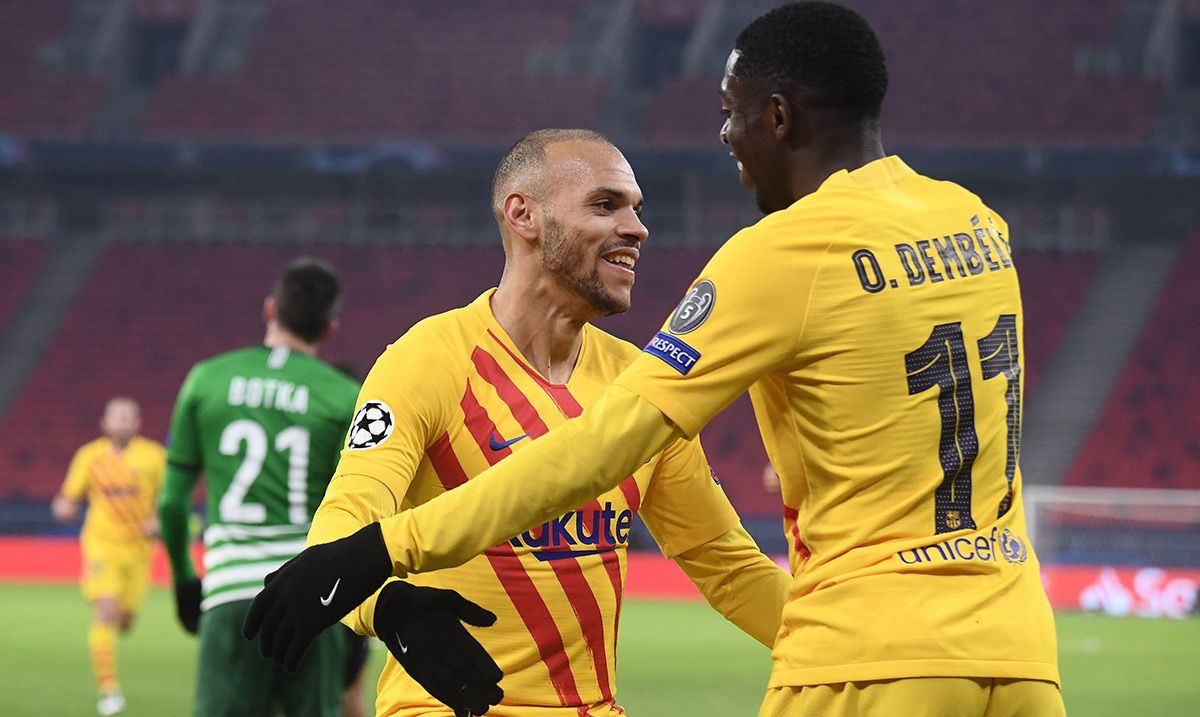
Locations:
(92, 447)
(148, 446)
(609, 348)
(330, 376)
(436, 346)
(225, 360)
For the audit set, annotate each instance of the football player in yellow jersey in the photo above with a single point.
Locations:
(119, 475)
(874, 315)
(466, 389)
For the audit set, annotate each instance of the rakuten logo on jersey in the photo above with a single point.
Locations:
(578, 533)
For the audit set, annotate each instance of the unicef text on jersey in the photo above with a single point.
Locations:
(1001, 544)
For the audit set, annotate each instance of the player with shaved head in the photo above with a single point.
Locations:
(464, 390)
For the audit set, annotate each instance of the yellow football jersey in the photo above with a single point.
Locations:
(877, 325)
(121, 488)
(454, 396)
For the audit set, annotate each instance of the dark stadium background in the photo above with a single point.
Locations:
(160, 160)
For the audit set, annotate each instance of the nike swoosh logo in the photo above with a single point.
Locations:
(501, 445)
(326, 600)
(403, 647)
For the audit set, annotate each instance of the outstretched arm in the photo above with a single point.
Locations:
(568, 466)
(739, 582)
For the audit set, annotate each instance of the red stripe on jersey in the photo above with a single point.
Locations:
(571, 408)
(633, 497)
(480, 426)
(530, 604)
(791, 516)
(113, 497)
(516, 401)
(558, 392)
(583, 600)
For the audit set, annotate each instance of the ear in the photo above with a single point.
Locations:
(781, 115)
(328, 331)
(268, 310)
(521, 217)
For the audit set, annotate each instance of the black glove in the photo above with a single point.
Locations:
(187, 604)
(423, 629)
(315, 589)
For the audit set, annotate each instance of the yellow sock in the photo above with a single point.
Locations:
(102, 649)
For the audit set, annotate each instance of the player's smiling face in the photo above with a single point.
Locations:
(592, 228)
(751, 142)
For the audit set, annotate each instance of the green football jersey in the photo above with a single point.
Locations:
(266, 426)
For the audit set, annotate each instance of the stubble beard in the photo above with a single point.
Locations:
(562, 256)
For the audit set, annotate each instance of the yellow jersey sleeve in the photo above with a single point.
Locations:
(403, 406)
(684, 505)
(739, 582)
(573, 463)
(78, 480)
(735, 324)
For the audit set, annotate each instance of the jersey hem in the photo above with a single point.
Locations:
(877, 671)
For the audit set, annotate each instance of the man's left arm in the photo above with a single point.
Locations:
(693, 522)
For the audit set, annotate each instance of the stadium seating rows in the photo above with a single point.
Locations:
(1052, 287)
(35, 102)
(960, 69)
(1149, 433)
(376, 69)
(150, 310)
(20, 261)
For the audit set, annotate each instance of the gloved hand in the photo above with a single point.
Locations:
(423, 629)
(187, 604)
(315, 589)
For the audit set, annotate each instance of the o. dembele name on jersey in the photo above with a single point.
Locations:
(959, 255)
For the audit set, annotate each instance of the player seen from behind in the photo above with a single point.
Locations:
(264, 425)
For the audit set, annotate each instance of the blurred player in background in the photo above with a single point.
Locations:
(264, 425)
(464, 390)
(875, 317)
(119, 475)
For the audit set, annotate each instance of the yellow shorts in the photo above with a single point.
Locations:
(918, 697)
(124, 577)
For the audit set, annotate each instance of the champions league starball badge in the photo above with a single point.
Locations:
(372, 425)
(694, 308)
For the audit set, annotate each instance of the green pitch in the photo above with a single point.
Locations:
(675, 659)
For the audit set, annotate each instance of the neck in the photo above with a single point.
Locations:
(850, 150)
(278, 336)
(546, 327)
(119, 444)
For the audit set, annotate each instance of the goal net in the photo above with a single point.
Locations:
(1121, 551)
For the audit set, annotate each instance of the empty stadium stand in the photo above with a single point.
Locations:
(35, 101)
(377, 70)
(19, 260)
(1149, 433)
(965, 70)
(1052, 287)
